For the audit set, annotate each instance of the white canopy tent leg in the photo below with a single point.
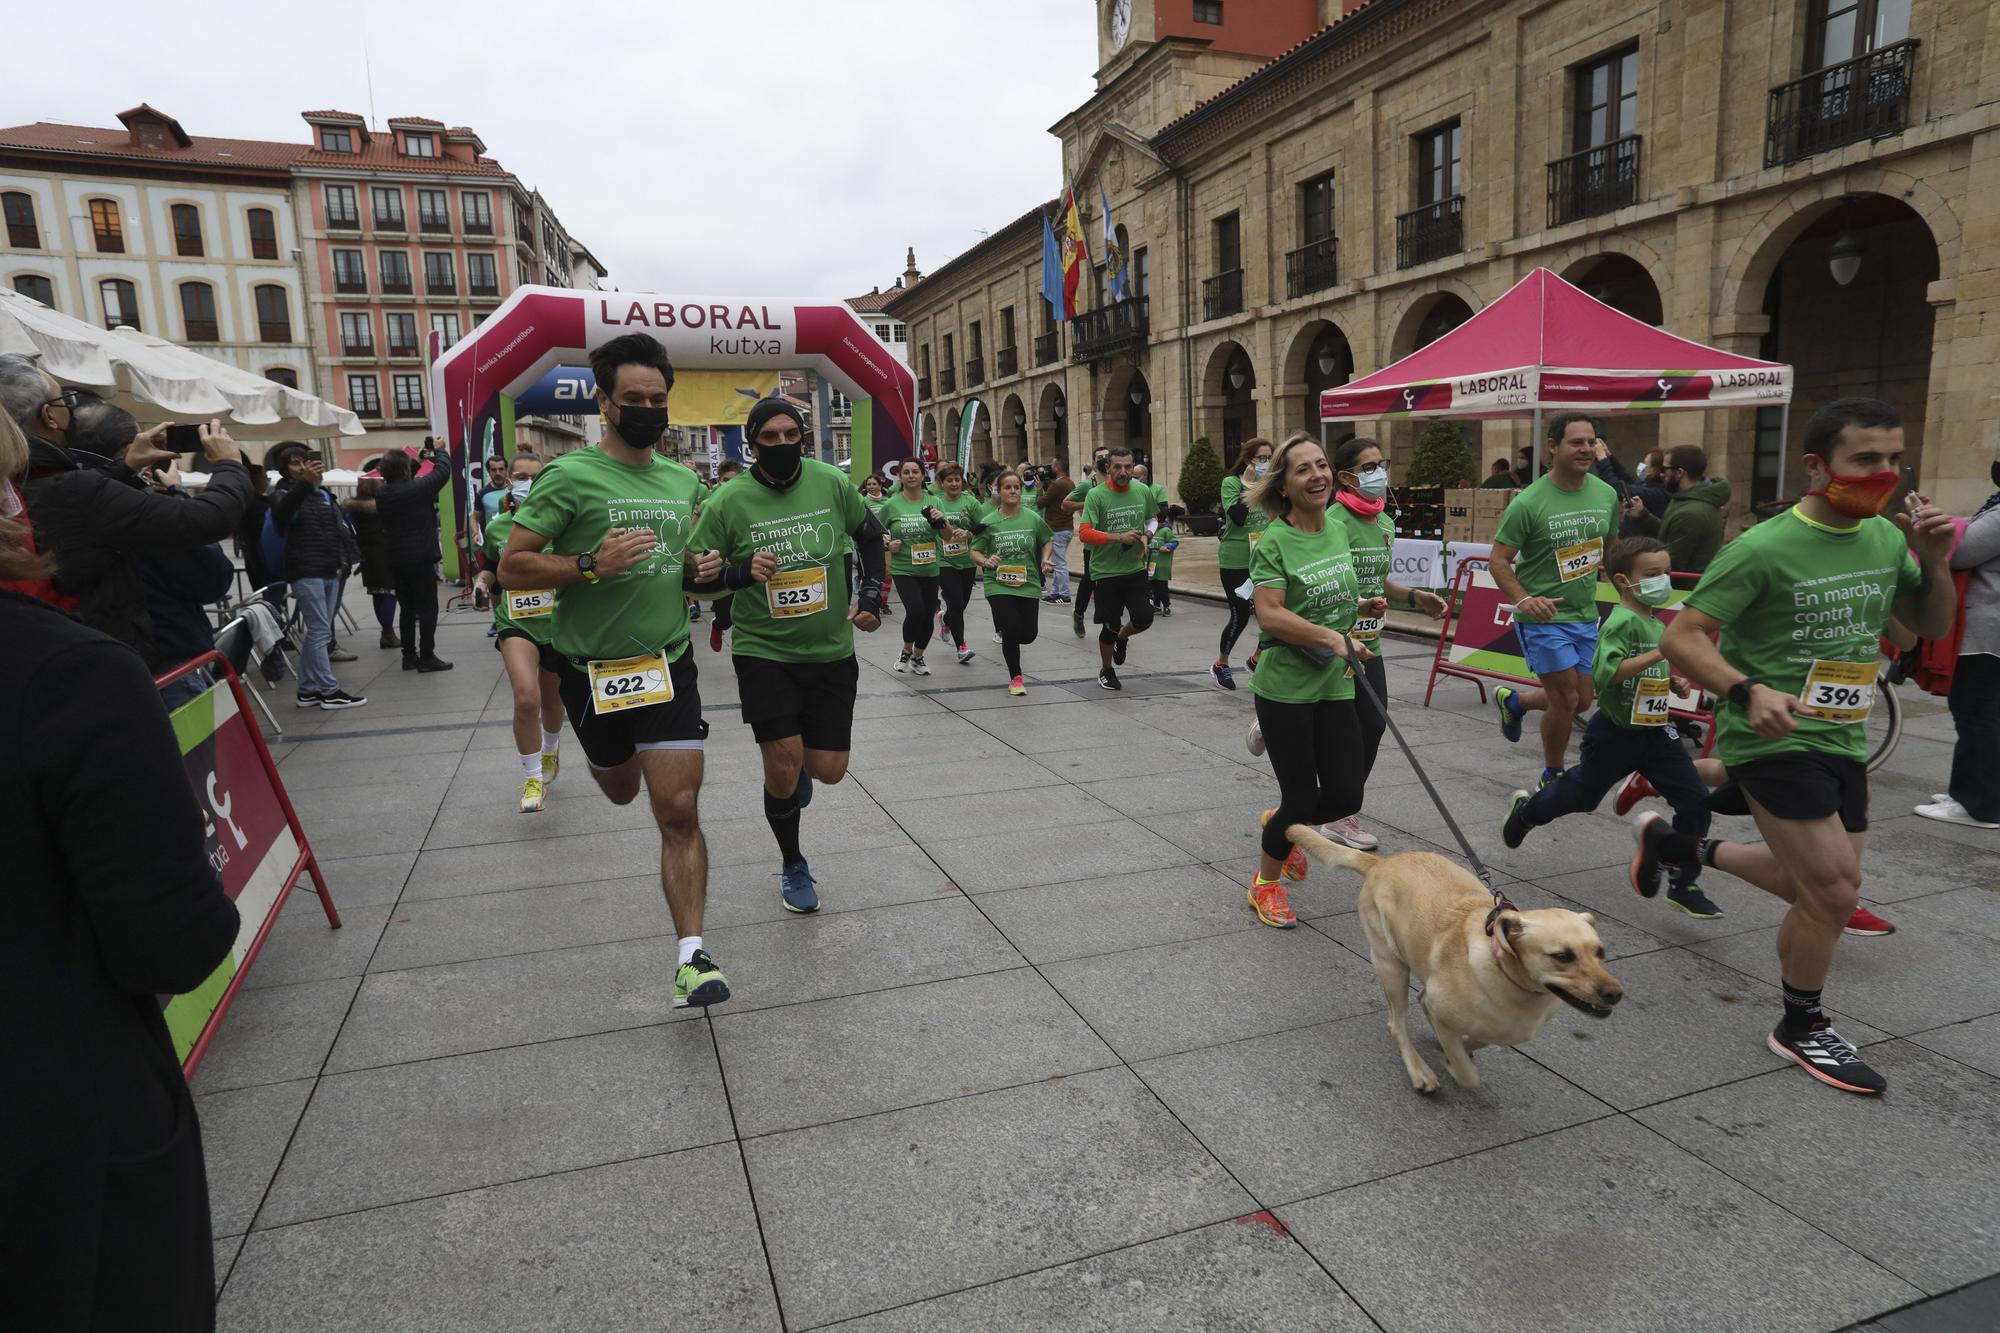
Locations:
(1784, 447)
(1535, 444)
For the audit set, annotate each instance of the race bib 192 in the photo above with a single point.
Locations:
(1581, 560)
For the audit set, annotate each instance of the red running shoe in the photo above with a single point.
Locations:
(715, 637)
(1633, 792)
(1865, 922)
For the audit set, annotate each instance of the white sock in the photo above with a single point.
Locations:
(531, 763)
(689, 943)
(552, 741)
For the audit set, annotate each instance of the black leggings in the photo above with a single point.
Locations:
(417, 591)
(1017, 619)
(1240, 611)
(920, 603)
(1373, 724)
(955, 586)
(1084, 584)
(1312, 748)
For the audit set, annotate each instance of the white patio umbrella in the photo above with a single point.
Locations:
(156, 380)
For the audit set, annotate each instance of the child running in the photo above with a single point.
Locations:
(1160, 566)
(1632, 730)
(1017, 550)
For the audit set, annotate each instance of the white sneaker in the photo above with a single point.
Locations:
(1948, 811)
(1349, 832)
(1255, 740)
(917, 667)
(902, 663)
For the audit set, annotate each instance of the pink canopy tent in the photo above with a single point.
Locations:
(1547, 346)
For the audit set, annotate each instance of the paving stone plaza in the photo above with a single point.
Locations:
(1035, 1064)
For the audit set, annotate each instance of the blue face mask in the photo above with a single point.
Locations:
(1261, 466)
(1373, 484)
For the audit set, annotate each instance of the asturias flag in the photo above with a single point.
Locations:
(1114, 257)
(1074, 253)
(1052, 271)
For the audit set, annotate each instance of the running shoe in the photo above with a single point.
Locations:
(1349, 833)
(902, 662)
(800, 894)
(917, 667)
(337, 699)
(309, 699)
(1223, 677)
(339, 654)
(715, 636)
(1690, 899)
(1272, 903)
(1514, 828)
(699, 982)
(531, 795)
(1016, 685)
(1828, 1057)
(1510, 721)
(694, 611)
(943, 630)
(1549, 775)
(1295, 860)
(1948, 811)
(802, 794)
(551, 767)
(1255, 738)
(1118, 651)
(1633, 792)
(1109, 679)
(1166, 610)
(1865, 922)
(965, 655)
(1647, 831)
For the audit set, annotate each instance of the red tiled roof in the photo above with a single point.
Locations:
(328, 115)
(94, 141)
(872, 303)
(148, 110)
(379, 154)
(416, 120)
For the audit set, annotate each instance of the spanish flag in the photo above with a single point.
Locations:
(1074, 254)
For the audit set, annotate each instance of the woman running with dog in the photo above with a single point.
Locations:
(913, 561)
(1016, 549)
(1307, 599)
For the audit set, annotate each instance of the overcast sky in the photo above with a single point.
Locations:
(783, 147)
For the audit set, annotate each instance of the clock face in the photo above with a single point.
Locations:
(1121, 22)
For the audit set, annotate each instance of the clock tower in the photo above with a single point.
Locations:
(1119, 24)
(1262, 28)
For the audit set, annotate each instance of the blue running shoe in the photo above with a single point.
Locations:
(1549, 775)
(1224, 678)
(1510, 716)
(800, 894)
(803, 793)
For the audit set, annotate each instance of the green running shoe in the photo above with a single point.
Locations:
(1510, 718)
(1514, 828)
(700, 982)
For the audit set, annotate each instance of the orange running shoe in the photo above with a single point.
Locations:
(1273, 904)
(1295, 862)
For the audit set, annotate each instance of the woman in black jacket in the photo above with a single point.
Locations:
(110, 903)
(406, 505)
(378, 576)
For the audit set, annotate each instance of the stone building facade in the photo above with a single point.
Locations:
(1714, 166)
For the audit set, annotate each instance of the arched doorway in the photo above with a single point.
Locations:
(948, 442)
(1623, 283)
(1227, 408)
(1867, 336)
(1052, 425)
(1012, 431)
(1127, 412)
(982, 433)
(1320, 359)
(1429, 319)
(930, 437)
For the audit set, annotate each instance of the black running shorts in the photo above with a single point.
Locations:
(609, 739)
(811, 700)
(1808, 784)
(1122, 597)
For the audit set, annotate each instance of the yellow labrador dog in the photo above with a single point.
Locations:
(1426, 915)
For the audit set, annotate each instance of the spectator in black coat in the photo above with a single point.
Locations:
(1636, 496)
(319, 550)
(110, 903)
(406, 504)
(250, 529)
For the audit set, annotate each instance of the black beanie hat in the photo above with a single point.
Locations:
(765, 409)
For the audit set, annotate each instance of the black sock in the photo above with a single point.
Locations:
(782, 813)
(1801, 1009)
(1706, 852)
(1680, 849)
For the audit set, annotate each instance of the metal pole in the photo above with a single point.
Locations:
(1535, 445)
(1784, 445)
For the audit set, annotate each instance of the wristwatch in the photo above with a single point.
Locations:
(586, 565)
(1739, 693)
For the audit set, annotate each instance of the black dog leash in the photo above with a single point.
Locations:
(1479, 867)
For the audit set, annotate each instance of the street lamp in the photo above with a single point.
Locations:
(1326, 360)
(1138, 396)
(1843, 257)
(1058, 409)
(1236, 377)
(1020, 418)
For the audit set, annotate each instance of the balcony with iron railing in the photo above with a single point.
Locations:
(1312, 268)
(356, 349)
(975, 371)
(1867, 97)
(1222, 295)
(274, 331)
(440, 287)
(1006, 361)
(478, 226)
(433, 224)
(397, 349)
(1595, 181)
(1047, 348)
(1119, 327)
(947, 380)
(923, 386)
(203, 331)
(1435, 231)
(350, 286)
(485, 290)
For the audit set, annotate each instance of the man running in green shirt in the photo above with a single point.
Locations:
(779, 534)
(1800, 602)
(606, 527)
(1115, 519)
(1557, 529)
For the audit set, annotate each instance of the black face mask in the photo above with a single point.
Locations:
(780, 462)
(641, 427)
(1994, 472)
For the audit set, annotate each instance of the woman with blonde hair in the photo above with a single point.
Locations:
(1306, 598)
(22, 567)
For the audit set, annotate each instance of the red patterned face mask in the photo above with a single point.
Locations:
(1860, 497)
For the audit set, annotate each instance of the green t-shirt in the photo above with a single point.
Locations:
(535, 627)
(960, 512)
(1561, 537)
(1018, 541)
(1316, 570)
(1371, 540)
(1238, 539)
(904, 518)
(1627, 634)
(1160, 554)
(1110, 510)
(800, 615)
(1797, 600)
(578, 498)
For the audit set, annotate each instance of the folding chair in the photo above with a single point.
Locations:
(233, 641)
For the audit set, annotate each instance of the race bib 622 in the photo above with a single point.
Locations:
(630, 682)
